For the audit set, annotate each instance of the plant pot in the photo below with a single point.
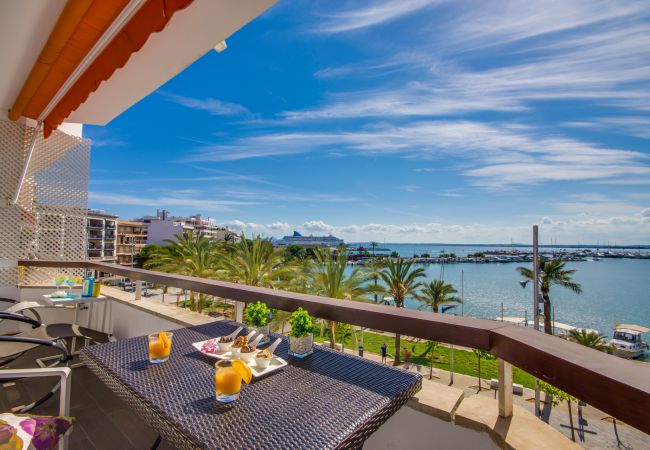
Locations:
(266, 331)
(300, 347)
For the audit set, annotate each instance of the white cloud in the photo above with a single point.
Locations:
(375, 13)
(493, 154)
(211, 105)
(638, 126)
(540, 50)
(189, 199)
(629, 229)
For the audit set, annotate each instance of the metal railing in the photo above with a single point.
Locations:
(619, 387)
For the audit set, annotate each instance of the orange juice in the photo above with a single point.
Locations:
(160, 345)
(227, 382)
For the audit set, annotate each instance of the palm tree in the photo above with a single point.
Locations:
(551, 273)
(191, 255)
(400, 281)
(327, 278)
(255, 262)
(591, 339)
(438, 293)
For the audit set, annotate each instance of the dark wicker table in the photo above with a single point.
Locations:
(327, 400)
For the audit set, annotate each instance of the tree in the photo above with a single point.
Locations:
(551, 273)
(429, 349)
(196, 256)
(591, 339)
(401, 281)
(255, 262)
(555, 396)
(293, 252)
(482, 354)
(394, 254)
(145, 254)
(438, 293)
(328, 279)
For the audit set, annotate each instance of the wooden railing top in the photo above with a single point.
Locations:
(614, 385)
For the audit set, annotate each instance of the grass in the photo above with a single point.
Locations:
(465, 362)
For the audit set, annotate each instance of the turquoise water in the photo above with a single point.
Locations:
(614, 290)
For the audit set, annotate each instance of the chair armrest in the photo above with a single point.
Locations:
(64, 373)
(20, 318)
(28, 340)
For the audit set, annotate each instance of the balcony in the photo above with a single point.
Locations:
(440, 413)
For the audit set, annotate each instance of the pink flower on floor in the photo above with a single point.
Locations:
(45, 431)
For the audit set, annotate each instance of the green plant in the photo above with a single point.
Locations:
(394, 254)
(301, 323)
(555, 396)
(591, 339)
(257, 314)
(551, 273)
(436, 294)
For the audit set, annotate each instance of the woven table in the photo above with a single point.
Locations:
(326, 400)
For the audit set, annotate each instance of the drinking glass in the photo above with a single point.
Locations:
(160, 344)
(227, 382)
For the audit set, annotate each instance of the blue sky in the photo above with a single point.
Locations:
(401, 121)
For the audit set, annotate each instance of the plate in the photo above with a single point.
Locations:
(275, 364)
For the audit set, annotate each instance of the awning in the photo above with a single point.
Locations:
(82, 24)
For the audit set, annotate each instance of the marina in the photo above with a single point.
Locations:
(615, 290)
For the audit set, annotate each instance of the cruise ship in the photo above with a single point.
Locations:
(309, 241)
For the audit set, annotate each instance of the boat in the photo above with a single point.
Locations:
(310, 241)
(627, 342)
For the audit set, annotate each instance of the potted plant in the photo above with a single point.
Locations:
(301, 337)
(257, 316)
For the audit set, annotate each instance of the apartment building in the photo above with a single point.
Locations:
(131, 237)
(101, 236)
(164, 226)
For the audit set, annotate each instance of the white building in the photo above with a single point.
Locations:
(164, 226)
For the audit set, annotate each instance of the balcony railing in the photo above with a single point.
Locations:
(619, 387)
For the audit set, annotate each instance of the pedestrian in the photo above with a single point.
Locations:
(407, 358)
(384, 349)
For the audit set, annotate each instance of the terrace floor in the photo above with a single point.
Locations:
(102, 420)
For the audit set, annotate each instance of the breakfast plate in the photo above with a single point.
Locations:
(275, 363)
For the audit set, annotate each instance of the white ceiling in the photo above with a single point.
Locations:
(25, 26)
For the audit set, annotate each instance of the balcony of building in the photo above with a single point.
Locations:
(454, 417)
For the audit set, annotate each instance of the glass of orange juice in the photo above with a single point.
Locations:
(160, 344)
(227, 382)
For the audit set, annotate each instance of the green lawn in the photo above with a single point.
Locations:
(465, 362)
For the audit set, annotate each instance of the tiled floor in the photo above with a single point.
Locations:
(103, 421)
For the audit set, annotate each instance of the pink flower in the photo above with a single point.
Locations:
(45, 431)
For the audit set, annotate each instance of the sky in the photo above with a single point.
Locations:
(401, 121)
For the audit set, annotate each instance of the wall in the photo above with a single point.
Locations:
(123, 319)
(162, 229)
(409, 428)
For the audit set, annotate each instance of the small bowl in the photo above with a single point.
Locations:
(224, 346)
(262, 363)
(248, 356)
(234, 351)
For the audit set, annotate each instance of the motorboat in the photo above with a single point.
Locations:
(627, 342)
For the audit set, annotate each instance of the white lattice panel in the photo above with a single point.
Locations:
(49, 219)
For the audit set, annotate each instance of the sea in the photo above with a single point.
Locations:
(614, 290)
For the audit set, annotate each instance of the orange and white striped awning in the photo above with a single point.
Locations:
(89, 42)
